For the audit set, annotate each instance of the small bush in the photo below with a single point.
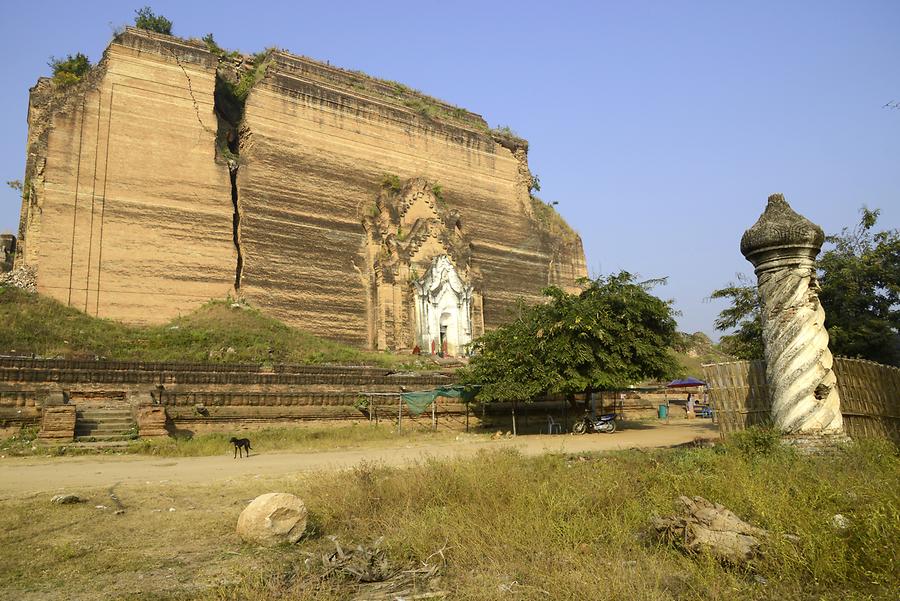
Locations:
(757, 441)
(438, 192)
(145, 18)
(259, 57)
(391, 181)
(251, 77)
(212, 46)
(69, 70)
(227, 154)
(505, 131)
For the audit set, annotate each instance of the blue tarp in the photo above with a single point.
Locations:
(685, 383)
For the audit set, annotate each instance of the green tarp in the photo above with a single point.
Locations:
(418, 402)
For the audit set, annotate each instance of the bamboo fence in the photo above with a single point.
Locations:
(869, 391)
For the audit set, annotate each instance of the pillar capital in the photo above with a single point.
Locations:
(781, 238)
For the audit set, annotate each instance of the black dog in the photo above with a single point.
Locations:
(239, 445)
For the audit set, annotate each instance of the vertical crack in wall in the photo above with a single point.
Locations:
(236, 224)
(190, 88)
(229, 109)
(235, 78)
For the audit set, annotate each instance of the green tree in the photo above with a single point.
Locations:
(145, 18)
(69, 70)
(743, 316)
(211, 44)
(612, 334)
(859, 278)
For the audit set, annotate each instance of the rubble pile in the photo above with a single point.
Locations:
(21, 277)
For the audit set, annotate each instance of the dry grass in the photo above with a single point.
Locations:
(550, 527)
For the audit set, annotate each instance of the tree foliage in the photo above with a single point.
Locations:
(859, 277)
(145, 18)
(613, 334)
(860, 280)
(69, 70)
(743, 316)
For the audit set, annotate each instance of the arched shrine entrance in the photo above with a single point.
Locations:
(423, 291)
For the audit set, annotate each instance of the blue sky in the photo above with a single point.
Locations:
(659, 127)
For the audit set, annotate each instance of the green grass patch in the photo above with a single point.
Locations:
(269, 440)
(219, 331)
(310, 438)
(547, 527)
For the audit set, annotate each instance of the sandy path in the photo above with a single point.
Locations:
(21, 476)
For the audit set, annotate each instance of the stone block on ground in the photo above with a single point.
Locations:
(273, 518)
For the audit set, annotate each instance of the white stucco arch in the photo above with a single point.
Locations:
(443, 309)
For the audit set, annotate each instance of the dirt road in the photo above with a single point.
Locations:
(22, 476)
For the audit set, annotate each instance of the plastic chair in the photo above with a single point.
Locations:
(553, 425)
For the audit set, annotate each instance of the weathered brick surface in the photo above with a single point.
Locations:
(216, 395)
(58, 423)
(151, 421)
(132, 214)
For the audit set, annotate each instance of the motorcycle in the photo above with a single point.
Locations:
(601, 423)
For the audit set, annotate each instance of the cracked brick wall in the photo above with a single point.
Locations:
(148, 195)
(131, 217)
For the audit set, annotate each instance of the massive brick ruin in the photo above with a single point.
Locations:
(353, 207)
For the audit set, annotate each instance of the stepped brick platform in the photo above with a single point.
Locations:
(104, 423)
(112, 397)
(166, 398)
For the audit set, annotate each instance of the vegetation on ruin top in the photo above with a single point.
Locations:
(506, 137)
(69, 70)
(551, 221)
(145, 18)
(500, 526)
(219, 331)
(72, 69)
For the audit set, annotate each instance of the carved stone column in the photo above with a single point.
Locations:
(782, 246)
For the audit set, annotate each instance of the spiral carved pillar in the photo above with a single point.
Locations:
(782, 246)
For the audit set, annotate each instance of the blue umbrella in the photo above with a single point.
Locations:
(685, 383)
